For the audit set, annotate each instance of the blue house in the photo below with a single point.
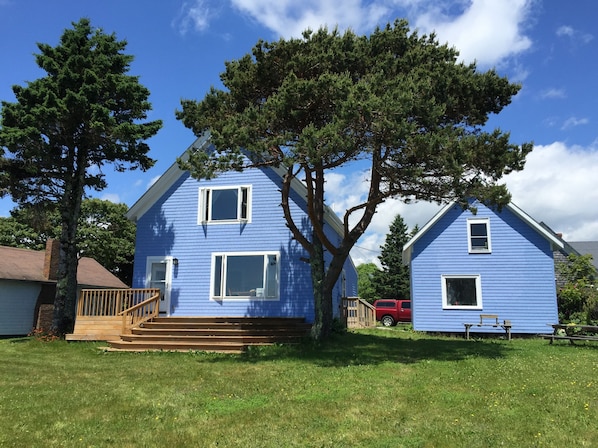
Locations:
(222, 248)
(465, 264)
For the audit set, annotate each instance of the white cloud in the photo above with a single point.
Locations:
(487, 31)
(195, 15)
(553, 93)
(573, 34)
(573, 122)
(559, 186)
(564, 31)
(289, 18)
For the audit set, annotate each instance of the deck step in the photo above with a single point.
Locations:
(141, 346)
(210, 334)
(222, 331)
(240, 339)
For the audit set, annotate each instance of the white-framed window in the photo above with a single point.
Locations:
(461, 291)
(225, 204)
(478, 236)
(245, 275)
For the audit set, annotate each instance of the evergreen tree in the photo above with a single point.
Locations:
(64, 128)
(393, 280)
(400, 102)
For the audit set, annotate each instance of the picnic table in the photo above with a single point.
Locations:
(572, 333)
(489, 320)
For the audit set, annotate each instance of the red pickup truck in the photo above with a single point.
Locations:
(391, 311)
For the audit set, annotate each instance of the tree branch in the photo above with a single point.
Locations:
(285, 192)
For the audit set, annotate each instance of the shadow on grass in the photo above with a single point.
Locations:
(371, 349)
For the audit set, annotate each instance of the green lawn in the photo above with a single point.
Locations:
(374, 388)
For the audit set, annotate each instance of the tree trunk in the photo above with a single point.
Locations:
(65, 301)
(66, 285)
(322, 325)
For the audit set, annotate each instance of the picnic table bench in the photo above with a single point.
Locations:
(490, 320)
(572, 333)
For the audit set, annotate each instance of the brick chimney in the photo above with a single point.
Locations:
(51, 259)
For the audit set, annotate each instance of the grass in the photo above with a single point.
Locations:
(374, 388)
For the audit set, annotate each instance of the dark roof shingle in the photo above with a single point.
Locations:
(28, 265)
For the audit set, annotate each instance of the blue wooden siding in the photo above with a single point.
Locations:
(517, 278)
(170, 228)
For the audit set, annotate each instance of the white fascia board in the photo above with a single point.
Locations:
(552, 239)
(164, 182)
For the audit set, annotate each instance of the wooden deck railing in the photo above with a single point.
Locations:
(111, 302)
(141, 312)
(358, 313)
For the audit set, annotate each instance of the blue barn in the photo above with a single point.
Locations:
(465, 264)
(222, 248)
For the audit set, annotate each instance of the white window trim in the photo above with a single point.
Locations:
(204, 206)
(479, 221)
(223, 282)
(478, 288)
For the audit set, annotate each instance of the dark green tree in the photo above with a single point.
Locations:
(366, 273)
(394, 100)
(62, 130)
(103, 233)
(393, 280)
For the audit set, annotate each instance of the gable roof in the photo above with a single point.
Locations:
(172, 174)
(551, 237)
(28, 265)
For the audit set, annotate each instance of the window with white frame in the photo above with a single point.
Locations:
(245, 276)
(225, 204)
(478, 235)
(461, 291)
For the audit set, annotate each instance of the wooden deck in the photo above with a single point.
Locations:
(127, 319)
(105, 314)
(357, 313)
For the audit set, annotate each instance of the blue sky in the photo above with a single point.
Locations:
(180, 47)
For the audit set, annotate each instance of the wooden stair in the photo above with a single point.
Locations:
(211, 334)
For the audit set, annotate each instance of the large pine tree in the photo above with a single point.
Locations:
(87, 112)
(398, 102)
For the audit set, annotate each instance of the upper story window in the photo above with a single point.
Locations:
(225, 204)
(478, 235)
